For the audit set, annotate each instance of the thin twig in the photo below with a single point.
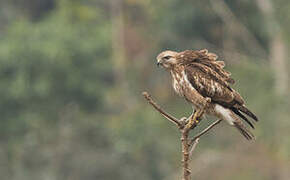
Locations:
(195, 142)
(204, 131)
(158, 108)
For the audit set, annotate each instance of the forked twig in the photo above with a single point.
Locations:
(188, 146)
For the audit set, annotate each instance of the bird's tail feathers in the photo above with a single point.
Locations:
(243, 130)
(237, 112)
(245, 110)
(230, 116)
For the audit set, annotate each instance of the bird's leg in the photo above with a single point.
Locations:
(190, 117)
(186, 120)
(195, 118)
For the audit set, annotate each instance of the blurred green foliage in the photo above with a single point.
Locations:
(65, 113)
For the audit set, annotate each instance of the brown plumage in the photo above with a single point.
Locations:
(197, 76)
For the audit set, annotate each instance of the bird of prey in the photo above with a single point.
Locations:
(200, 78)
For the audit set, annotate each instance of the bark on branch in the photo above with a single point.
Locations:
(185, 125)
(161, 111)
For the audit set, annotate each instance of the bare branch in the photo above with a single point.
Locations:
(191, 124)
(188, 145)
(195, 142)
(185, 154)
(204, 131)
(158, 108)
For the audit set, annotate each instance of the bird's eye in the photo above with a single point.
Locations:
(166, 57)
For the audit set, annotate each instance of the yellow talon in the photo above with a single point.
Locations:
(194, 119)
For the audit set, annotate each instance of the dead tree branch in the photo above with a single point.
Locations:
(161, 111)
(194, 144)
(188, 145)
(204, 131)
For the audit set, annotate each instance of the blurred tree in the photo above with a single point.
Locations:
(277, 56)
(49, 65)
(33, 9)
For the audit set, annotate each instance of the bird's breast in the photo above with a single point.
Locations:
(183, 87)
(177, 81)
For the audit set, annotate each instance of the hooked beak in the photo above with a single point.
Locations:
(159, 62)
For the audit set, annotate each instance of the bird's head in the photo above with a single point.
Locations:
(167, 59)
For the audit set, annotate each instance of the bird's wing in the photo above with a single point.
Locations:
(208, 83)
(209, 61)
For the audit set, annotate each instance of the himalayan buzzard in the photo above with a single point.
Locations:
(201, 80)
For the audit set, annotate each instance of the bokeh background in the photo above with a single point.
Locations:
(72, 73)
